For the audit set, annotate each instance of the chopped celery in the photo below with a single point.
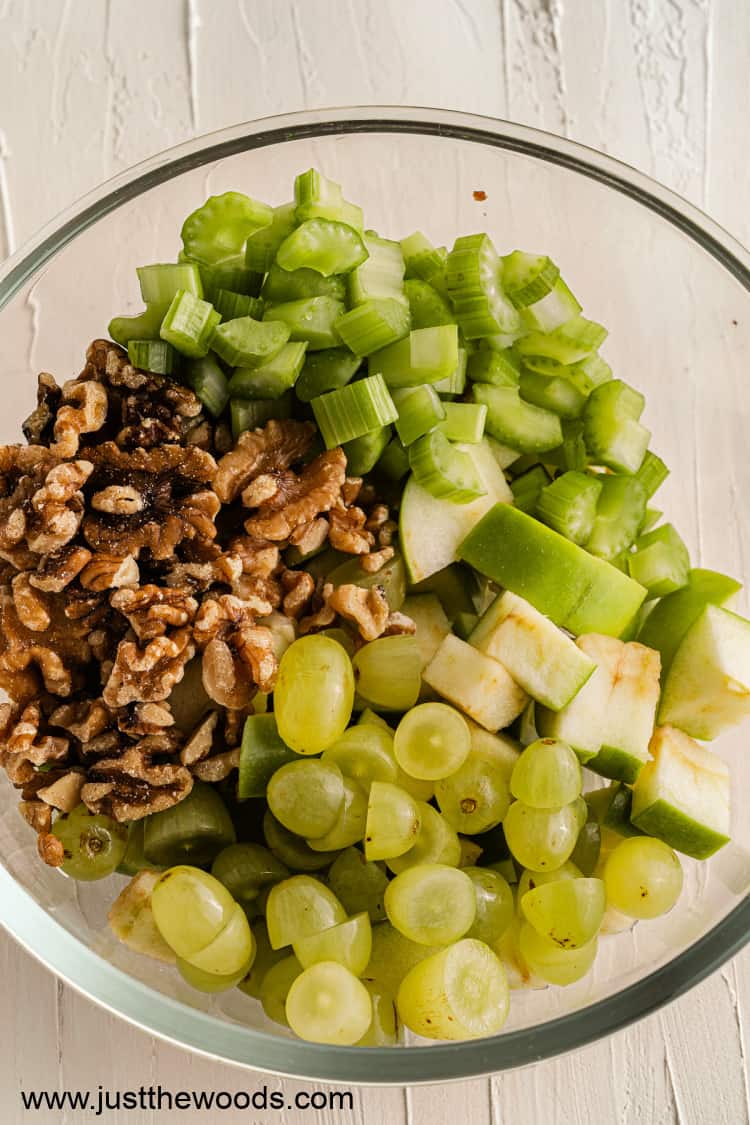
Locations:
(650, 520)
(594, 368)
(152, 355)
(567, 343)
(245, 342)
(444, 470)
(325, 371)
(568, 505)
(232, 274)
(263, 245)
(428, 307)
(427, 355)
(572, 453)
(233, 305)
(455, 383)
(353, 410)
(517, 423)
(271, 379)
(527, 488)
(144, 326)
(652, 473)
(464, 421)
(419, 411)
(619, 513)
(552, 311)
(614, 436)
(394, 460)
(423, 260)
(562, 394)
(297, 285)
(220, 228)
(160, 282)
(248, 414)
(363, 453)
(503, 454)
(380, 275)
(189, 324)
(311, 320)
(473, 283)
(501, 368)
(319, 198)
(322, 245)
(528, 277)
(373, 325)
(661, 561)
(209, 383)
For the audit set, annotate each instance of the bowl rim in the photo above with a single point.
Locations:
(89, 973)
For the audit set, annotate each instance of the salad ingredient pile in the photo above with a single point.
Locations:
(321, 584)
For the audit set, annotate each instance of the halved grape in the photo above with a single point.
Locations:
(432, 904)
(306, 796)
(541, 839)
(350, 825)
(393, 821)
(383, 1029)
(191, 908)
(476, 797)
(435, 843)
(314, 694)
(193, 831)
(459, 993)
(327, 1004)
(643, 877)
(432, 741)
(231, 951)
(388, 672)
(292, 850)
(275, 987)
(359, 884)
(94, 844)
(209, 982)
(567, 911)
(349, 943)
(264, 960)
(298, 907)
(531, 879)
(548, 960)
(393, 955)
(547, 775)
(495, 905)
(245, 869)
(364, 753)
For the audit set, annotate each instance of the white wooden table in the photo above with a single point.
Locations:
(88, 88)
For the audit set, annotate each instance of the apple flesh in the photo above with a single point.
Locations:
(477, 684)
(432, 625)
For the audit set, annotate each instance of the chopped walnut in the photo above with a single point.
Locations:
(367, 609)
(152, 610)
(299, 587)
(32, 658)
(83, 411)
(238, 654)
(147, 674)
(141, 719)
(198, 746)
(351, 490)
(348, 532)
(109, 572)
(376, 560)
(37, 429)
(56, 571)
(50, 849)
(23, 746)
(84, 719)
(218, 767)
(131, 786)
(300, 499)
(30, 604)
(323, 616)
(41, 505)
(271, 449)
(56, 509)
(398, 625)
(310, 537)
(36, 813)
(64, 793)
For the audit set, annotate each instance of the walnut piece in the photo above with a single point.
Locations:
(32, 658)
(218, 767)
(238, 655)
(348, 532)
(36, 813)
(376, 560)
(83, 411)
(23, 744)
(50, 849)
(200, 742)
(131, 786)
(151, 610)
(367, 609)
(141, 719)
(56, 571)
(299, 587)
(37, 429)
(109, 572)
(64, 793)
(147, 674)
(300, 499)
(85, 719)
(56, 509)
(271, 449)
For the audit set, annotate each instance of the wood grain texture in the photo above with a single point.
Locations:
(89, 87)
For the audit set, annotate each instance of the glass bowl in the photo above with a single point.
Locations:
(673, 290)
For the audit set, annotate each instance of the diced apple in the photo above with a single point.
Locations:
(132, 921)
(682, 795)
(671, 617)
(539, 656)
(432, 625)
(707, 689)
(475, 683)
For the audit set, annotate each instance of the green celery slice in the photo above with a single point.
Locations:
(394, 460)
(527, 278)
(220, 228)
(428, 308)
(326, 371)
(209, 383)
(189, 324)
(444, 470)
(562, 394)
(373, 325)
(261, 754)
(455, 383)
(503, 369)
(652, 473)
(516, 423)
(245, 342)
(568, 343)
(160, 282)
(661, 561)
(568, 505)
(614, 437)
(152, 355)
(297, 285)
(619, 513)
(353, 410)
(363, 453)
(324, 246)
(232, 305)
(552, 311)
(262, 246)
(381, 275)
(144, 326)
(271, 379)
(527, 488)
(248, 414)
(423, 260)
(464, 421)
(427, 355)
(473, 282)
(419, 411)
(312, 320)
(317, 197)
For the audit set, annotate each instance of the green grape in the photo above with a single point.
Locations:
(547, 775)
(553, 964)
(393, 821)
(495, 905)
(350, 825)
(643, 877)
(191, 908)
(435, 843)
(432, 904)
(314, 694)
(193, 832)
(460, 993)
(383, 1030)
(531, 879)
(368, 717)
(307, 796)
(567, 911)
(431, 741)
(349, 943)
(342, 637)
(209, 982)
(298, 907)
(275, 987)
(420, 790)
(265, 958)
(581, 810)
(388, 672)
(245, 869)
(364, 753)
(94, 844)
(508, 950)
(327, 1004)
(359, 884)
(290, 849)
(588, 845)
(476, 797)
(393, 955)
(232, 950)
(541, 839)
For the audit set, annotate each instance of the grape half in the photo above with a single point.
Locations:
(643, 877)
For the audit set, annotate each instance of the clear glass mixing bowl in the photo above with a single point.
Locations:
(673, 289)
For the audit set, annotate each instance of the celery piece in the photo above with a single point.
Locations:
(567, 343)
(220, 228)
(233, 305)
(373, 325)
(594, 368)
(419, 411)
(444, 470)
(152, 355)
(232, 274)
(652, 473)
(189, 324)
(473, 282)
(650, 520)
(144, 326)
(568, 505)
(297, 285)
(503, 369)
(160, 282)
(312, 320)
(464, 421)
(423, 260)
(517, 423)
(552, 311)
(428, 308)
(262, 246)
(381, 275)
(572, 453)
(563, 395)
(527, 488)
(248, 414)
(619, 512)
(245, 342)
(353, 410)
(394, 460)
(325, 371)
(363, 453)
(614, 437)
(427, 355)
(209, 383)
(319, 198)
(528, 277)
(324, 246)
(271, 379)
(661, 561)
(455, 383)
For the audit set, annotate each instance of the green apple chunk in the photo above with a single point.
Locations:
(682, 795)
(707, 688)
(610, 721)
(547, 664)
(476, 683)
(670, 619)
(431, 529)
(432, 625)
(577, 591)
